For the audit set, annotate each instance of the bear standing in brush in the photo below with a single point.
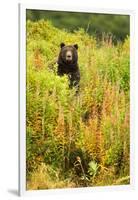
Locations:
(68, 64)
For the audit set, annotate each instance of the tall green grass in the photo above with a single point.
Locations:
(94, 125)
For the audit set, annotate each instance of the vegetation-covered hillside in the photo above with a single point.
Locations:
(76, 140)
(93, 23)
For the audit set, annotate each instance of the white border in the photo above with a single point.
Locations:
(22, 97)
(22, 100)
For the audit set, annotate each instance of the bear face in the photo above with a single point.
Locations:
(68, 54)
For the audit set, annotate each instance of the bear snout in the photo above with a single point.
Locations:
(68, 56)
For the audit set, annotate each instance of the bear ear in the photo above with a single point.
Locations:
(62, 45)
(76, 46)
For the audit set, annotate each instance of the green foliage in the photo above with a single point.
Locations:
(93, 168)
(114, 155)
(61, 126)
(94, 24)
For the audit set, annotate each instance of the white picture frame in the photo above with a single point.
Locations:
(22, 96)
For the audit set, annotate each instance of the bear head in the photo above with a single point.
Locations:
(68, 54)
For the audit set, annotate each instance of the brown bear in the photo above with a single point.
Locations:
(68, 64)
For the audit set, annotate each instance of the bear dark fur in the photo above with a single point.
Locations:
(68, 63)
